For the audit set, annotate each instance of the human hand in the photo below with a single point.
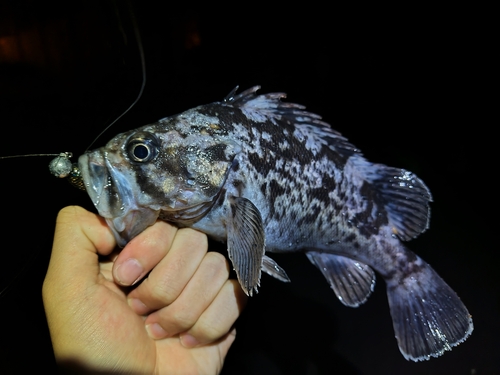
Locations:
(187, 303)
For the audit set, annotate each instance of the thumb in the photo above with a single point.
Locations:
(79, 237)
(72, 280)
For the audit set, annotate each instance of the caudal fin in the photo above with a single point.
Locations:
(428, 316)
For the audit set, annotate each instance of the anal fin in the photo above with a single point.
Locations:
(352, 281)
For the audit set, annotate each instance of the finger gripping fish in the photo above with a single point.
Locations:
(267, 176)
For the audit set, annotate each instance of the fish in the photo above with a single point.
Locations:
(266, 176)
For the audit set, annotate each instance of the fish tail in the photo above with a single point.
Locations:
(428, 316)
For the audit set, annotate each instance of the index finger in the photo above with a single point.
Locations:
(143, 253)
(172, 273)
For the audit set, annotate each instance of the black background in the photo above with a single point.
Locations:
(411, 86)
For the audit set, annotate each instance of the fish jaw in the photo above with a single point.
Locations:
(110, 189)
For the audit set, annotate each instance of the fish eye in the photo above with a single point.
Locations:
(142, 147)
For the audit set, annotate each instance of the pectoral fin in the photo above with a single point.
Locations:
(245, 242)
(352, 281)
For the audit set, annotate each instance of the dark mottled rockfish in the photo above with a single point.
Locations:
(265, 175)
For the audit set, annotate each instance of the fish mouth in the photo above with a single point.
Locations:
(111, 189)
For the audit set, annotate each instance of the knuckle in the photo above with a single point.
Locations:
(193, 237)
(216, 261)
(185, 318)
(165, 292)
(211, 332)
(166, 286)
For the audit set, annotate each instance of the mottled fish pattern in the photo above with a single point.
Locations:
(265, 175)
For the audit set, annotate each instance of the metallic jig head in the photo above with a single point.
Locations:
(62, 167)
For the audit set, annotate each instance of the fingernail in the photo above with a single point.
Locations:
(188, 341)
(129, 272)
(155, 331)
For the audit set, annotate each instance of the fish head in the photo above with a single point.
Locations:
(172, 170)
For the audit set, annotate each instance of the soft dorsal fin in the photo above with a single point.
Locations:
(400, 193)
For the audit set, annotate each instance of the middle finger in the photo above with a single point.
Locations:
(200, 292)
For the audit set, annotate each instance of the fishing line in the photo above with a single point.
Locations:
(143, 67)
(61, 165)
(23, 156)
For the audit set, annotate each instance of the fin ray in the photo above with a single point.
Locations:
(272, 268)
(404, 196)
(352, 281)
(428, 316)
(245, 242)
(272, 108)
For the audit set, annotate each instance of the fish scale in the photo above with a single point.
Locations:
(267, 176)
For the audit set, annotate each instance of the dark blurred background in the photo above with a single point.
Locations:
(411, 86)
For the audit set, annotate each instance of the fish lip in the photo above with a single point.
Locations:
(112, 195)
